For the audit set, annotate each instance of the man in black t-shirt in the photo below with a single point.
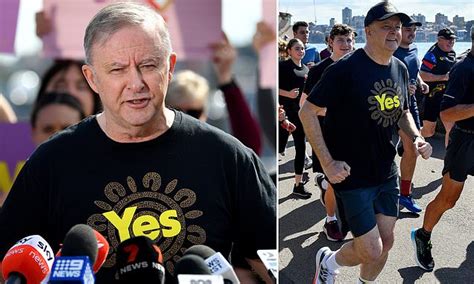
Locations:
(139, 168)
(434, 70)
(341, 41)
(457, 107)
(365, 96)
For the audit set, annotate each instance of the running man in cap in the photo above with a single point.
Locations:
(407, 52)
(435, 71)
(457, 107)
(365, 96)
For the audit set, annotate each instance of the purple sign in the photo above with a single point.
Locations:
(8, 22)
(16, 146)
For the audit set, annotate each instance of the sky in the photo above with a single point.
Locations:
(306, 10)
(239, 20)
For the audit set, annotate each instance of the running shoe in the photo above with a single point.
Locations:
(422, 247)
(321, 182)
(300, 190)
(409, 203)
(308, 163)
(332, 231)
(323, 275)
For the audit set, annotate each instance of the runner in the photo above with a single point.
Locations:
(341, 42)
(435, 71)
(457, 107)
(301, 32)
(292, 75)
(407, 52)
(365, 96)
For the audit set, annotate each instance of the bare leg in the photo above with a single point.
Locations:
(385, 224)
(444, 200)
(330, 200)
(408, 161)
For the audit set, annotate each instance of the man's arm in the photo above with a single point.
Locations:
(258, 266)
(289, 94)
(458, 112)
(430, 77)
(336, 171)
(408, 126)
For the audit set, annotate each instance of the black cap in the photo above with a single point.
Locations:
(447, 33)
(410, 22)
(383, 11)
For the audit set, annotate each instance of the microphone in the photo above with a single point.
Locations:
(28, 261)
(139, 260)
(270, 261)
(217, 263)
(193, 269)
(102, 252)
(78, 252)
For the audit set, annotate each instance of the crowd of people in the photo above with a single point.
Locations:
(368, 96)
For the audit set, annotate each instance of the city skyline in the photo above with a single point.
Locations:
(324, 10)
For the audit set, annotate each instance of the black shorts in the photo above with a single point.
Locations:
(362, 204)
(433, 104)
(459, 161)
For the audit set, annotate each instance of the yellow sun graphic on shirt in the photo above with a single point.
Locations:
(156, 211)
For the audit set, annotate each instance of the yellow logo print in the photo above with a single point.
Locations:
(387, 103)
(161, 213)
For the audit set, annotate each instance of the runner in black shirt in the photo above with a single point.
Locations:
(341, 42)
(365, 96)
(457, 107)
(435, 68)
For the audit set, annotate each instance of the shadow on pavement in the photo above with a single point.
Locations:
(463, 274)
(418, 192)
(411, 274)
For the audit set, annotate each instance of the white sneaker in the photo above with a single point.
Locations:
(323, 275)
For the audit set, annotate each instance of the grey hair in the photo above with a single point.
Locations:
(118, 15)
(472, 32)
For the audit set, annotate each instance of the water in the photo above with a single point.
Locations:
(423, 47)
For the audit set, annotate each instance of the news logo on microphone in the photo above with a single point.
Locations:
(72, 269)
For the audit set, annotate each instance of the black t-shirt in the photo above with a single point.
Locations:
(364, 102)
(291, 76)
(437, 62)
(194, 184)
(461, 88)
(315, 74)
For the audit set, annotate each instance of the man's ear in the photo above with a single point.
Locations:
(368, 31)
(90, 77)
(172, 64)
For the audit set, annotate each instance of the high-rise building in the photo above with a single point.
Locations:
(346, 16)
(419, 18)
(332, 22)
(441, 19)
(357, 22)
(458, 21)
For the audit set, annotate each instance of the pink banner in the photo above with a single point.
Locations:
(268, 54)
(193, 25)
(8, 22)
(16, 146)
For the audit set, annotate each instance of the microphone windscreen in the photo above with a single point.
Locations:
(139, 260)
(30, 258)
(200, 250)
(80, 241)
(102, 252)
(191, 264)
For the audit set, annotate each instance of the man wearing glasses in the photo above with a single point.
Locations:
(435, 72)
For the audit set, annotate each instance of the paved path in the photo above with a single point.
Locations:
(301, 221)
